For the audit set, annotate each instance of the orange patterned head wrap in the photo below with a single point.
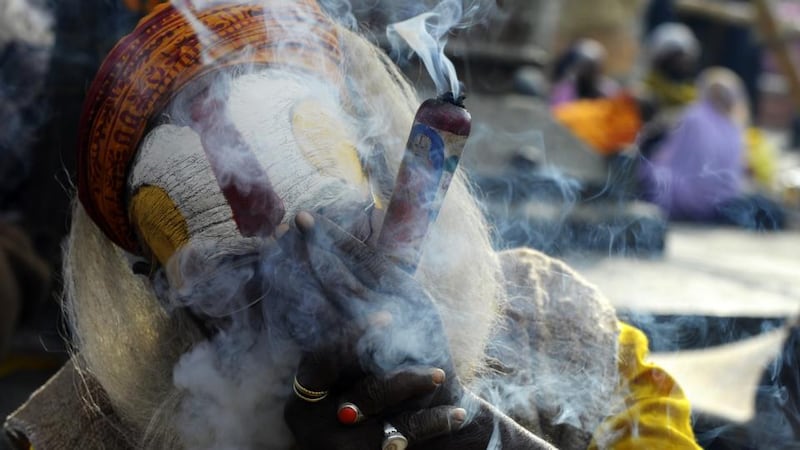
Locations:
(141, 5)
(163, 54)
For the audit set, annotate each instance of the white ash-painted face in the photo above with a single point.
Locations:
(172, 158)
(298, 133)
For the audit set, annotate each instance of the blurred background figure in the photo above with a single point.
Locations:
(698, 172)
(672, 56)
(49, 52)
(579, 74)
(670, 70)
(590, 103)
(24, 279)
(613, 23)
(608, 125)
(26, 41)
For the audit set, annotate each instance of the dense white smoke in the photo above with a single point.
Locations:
(235, 383)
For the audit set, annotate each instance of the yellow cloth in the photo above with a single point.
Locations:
(670, 93)
(657, 414)
(761, 160)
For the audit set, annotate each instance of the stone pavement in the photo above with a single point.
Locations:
(716, 279)
(705, 271)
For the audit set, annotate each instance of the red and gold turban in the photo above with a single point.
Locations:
(163, 54)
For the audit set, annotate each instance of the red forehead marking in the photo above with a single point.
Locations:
(256, 207)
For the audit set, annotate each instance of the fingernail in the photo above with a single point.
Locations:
(381, 319)
(438, 376)
(281, 230)
(304, 221)
(458, 416)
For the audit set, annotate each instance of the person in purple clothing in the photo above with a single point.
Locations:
(698, 172)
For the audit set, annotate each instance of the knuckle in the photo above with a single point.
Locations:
(375, 391)
(417, 424)
(412, 425)
(405, 426)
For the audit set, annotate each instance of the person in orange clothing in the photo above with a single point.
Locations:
(224, 290)
(592, 105)
(608, 125)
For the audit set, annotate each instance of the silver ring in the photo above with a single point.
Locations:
(393, 439)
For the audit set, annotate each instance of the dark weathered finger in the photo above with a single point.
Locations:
(375, 272)
(374, 395)
(317, 371)
(293, 300)
(420, 426)
(335, 278)
(291, 240)
(337, 281)
(293, 303)
(305, 221)
(368, 264)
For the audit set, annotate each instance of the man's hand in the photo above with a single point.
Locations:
(387, 353)
(392, 321)
(380, 401)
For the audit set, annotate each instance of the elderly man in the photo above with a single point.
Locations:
(225, 289)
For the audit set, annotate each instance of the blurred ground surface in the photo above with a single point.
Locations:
(728, 287)
(705, 271)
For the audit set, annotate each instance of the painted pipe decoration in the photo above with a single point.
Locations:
(433, 150)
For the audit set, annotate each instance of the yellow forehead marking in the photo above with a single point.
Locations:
(158, 221)
(324, 142)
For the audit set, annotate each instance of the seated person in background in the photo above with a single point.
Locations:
(592, 105)
(698, 171)
(578, 74)
(672, 56)
(608, 125)
(224, 289)
(669, 83)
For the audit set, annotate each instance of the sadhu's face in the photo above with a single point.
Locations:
(241, 157)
